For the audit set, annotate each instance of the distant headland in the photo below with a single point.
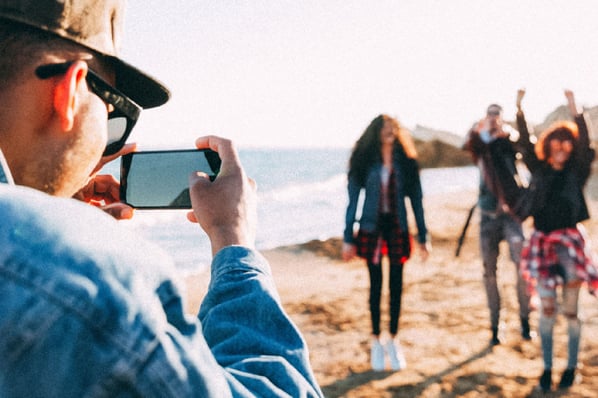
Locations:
(438, 148)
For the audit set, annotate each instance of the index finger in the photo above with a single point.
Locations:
(224, 147)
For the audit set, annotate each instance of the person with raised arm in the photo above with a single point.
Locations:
(490, 144)
(556, 253)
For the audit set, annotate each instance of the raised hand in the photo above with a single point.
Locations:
(571, 103)
(520, 95)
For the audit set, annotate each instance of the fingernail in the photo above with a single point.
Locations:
(126, 213)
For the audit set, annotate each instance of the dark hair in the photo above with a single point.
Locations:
(366, 150)
(494, 106)
(560, 130)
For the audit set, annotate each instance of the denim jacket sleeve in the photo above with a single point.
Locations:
(88, 310)
(416, 199)
(262, 352)
(415, 195)
(353, 189)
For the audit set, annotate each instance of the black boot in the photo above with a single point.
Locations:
(546, 380)
(495, 340)
(525, 331)
(568, 378)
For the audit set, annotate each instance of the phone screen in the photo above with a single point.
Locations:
(160, 179)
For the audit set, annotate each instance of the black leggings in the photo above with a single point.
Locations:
(396, 290)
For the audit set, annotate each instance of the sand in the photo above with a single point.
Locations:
(444, 324)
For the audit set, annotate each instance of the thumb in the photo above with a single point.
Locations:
(198, 179)
(191, 217)
(120, 211)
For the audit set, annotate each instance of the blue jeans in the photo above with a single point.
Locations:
(569, 307)
(495, 228)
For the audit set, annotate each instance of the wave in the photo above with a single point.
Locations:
(294, 192)
(449, 179)
(289, 212)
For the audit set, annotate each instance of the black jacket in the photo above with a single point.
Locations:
(554, 198)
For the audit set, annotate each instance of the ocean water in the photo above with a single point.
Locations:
(301, 196)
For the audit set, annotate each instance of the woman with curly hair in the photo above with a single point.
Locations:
(556, 255)
(383, 164)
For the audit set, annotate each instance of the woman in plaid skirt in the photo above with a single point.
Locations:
(383, 164)
(556, 253)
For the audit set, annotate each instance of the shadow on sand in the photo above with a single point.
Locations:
(492, 387)
(342, 387)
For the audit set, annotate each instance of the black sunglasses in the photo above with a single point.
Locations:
(125, 111)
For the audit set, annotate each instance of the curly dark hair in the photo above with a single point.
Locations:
(366, 150)
(560, 130)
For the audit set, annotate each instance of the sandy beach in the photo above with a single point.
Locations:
(444, 325)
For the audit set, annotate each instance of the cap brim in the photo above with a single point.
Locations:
(145, 90)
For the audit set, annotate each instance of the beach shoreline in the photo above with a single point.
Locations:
(444, 326)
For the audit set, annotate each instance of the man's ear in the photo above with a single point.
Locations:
(66, 94)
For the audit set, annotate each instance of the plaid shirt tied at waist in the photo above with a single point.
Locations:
(539, 257)
(370, 244)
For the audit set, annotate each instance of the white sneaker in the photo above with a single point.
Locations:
(395, 354)
(377, 356)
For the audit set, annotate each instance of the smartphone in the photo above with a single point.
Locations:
(160, 179)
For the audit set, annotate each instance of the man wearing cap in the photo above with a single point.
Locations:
(86, 309)
(488, 141)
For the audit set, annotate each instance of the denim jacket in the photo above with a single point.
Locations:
(369, 213)
(88, 310)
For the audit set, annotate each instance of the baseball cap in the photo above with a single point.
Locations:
(96, 25)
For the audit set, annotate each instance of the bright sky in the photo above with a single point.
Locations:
(316, 72)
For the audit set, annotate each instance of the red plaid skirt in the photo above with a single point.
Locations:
(372, 245)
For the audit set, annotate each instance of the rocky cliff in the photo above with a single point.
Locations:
(437, 148)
